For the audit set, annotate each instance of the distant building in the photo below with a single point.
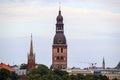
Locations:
(59, 47)
(118, 66)
(19, 71)
(111, 73)
(4, 66)
(31, 57)
(75, 71)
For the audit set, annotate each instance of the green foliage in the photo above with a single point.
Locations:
(59, 72)
(115, 79)
(38, 73)
(4, 74)
(42, 72)
(14, 76)
(7, 75)
(50, 77)
(73, 77)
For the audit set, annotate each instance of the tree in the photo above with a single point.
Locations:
(50, 77)
(103, 77)
(14, 76)
(37, 72)
(73, 77)
(59, 72)
(62, 74)
(80, 76)
(42, 72)
(4, 74)
(7, 75)
(114, 79)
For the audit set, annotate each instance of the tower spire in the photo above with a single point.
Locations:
(31, 46)
(103, 64)
(31, 57)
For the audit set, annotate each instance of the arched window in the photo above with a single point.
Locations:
(61, 50)
(58, 57)
(57, 50)
(62, 58)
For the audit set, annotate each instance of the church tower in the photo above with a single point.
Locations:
(103, 64)
(31, 57)
(59, 47)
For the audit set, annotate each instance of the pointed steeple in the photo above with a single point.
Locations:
(103, 60)
(31, 46)
(103, 64)
(31, 57)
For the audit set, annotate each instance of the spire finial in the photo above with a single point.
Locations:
(59, 6)
(31, 36)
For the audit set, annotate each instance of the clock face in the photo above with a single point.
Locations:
(59, 41)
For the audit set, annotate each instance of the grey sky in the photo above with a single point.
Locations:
(92, 30)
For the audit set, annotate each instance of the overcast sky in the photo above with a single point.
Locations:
(92, 30)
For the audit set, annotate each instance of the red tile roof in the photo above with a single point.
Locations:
(6, 67)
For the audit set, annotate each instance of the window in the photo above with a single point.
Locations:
(62, 58)
(61, 50)
(58, 58)
(57, 50)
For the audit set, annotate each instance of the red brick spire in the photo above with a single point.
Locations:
(31, 47)
(31, 57)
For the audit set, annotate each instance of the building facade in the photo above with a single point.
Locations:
(19, 71)
(111, 73)
(59, 47)
(75, 71)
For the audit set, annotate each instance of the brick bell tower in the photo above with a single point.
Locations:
(59, 47)
(31, 57)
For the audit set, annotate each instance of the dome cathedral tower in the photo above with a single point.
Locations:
(59, 47)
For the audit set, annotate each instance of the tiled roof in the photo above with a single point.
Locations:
(6, 67)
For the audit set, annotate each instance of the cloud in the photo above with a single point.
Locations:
(83, 19)
(91, 27)
(110, 4)
(36, 12)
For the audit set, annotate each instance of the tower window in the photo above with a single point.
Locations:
(61, 50)
(58, 58)
(62, 58)
(57, 50)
